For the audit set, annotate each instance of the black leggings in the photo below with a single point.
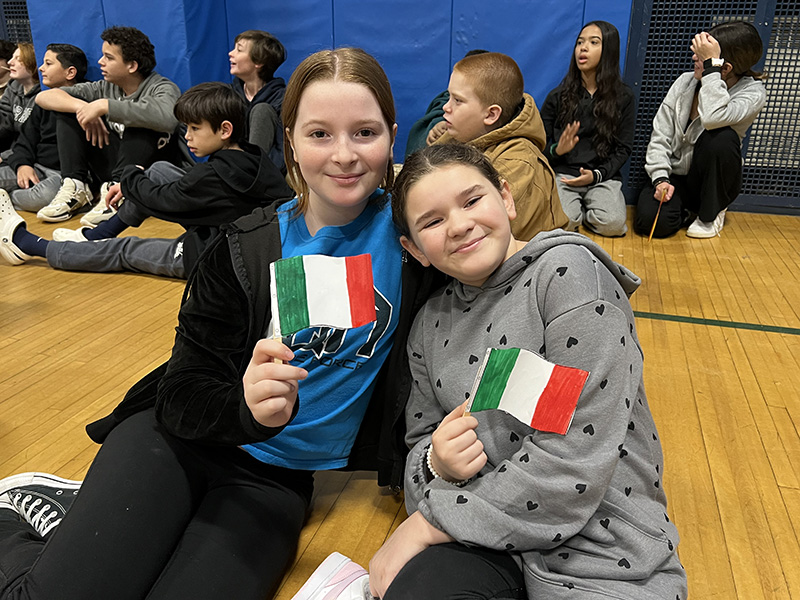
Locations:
(138, 146)
(162, 518)
(456, 572)
(712, 183)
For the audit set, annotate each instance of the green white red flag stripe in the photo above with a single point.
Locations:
(321, 291)
(539, 393)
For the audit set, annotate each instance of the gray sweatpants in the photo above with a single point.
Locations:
(600, 207)
(35, 197)
(156, 256)
(141, 255)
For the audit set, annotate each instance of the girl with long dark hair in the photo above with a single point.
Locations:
(589, 120)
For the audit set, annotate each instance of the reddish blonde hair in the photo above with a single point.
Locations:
(496, 79)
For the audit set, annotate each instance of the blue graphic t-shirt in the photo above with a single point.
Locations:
(342, 364)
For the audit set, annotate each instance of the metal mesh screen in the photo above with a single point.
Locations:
(16, 26)
(659, 52)
(772, 159)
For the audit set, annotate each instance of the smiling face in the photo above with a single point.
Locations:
(460, 223)
(17, 69)
(242, 66)
(589, 48)
(54, 75)
(114, 69)
(342, 145)
(464, 112)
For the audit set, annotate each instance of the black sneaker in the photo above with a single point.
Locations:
(40, 499)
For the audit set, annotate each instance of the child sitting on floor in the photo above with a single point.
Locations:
(255, 57)
(498, 509)
(488, 109)
(237, 178)
(589, 120)
(103, 126)
(31, 172)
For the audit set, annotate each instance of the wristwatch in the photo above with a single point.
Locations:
(713, 62)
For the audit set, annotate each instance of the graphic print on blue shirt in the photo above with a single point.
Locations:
(342, 364)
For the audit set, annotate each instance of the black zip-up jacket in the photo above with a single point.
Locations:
(584, 154)
(36, 143)
(229, 185)
(198, 393)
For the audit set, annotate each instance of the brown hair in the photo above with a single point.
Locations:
(428, 160)
(740, 45)
(27, 57)
(351, 65)
(265, 50)
(496, 79)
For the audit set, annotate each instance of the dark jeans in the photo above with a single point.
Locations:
(711, 185)
(137, 146)
(163, 518)
(456, 572)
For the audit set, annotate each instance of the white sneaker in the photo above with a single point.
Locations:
(62, 234)
(702, 229)
(100, 212)
(9, 221)
(71, 197)
(337, 578)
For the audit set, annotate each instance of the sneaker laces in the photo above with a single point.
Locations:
(37, 517)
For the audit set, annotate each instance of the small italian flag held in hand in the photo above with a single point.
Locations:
(321, 291)
(539, 393)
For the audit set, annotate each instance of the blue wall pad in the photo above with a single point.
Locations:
(417, 42)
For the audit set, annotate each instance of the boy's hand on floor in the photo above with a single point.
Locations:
(270, 385)
(457, 453)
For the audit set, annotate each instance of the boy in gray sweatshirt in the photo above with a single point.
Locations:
(103, 126)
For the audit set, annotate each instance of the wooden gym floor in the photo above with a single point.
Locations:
(719, 321)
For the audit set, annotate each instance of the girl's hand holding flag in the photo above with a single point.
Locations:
(270, 387)
(456, 453)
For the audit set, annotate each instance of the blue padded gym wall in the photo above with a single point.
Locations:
(416, 41)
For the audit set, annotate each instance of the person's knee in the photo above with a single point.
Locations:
(666, 226)
(606, 223)
(722, 142)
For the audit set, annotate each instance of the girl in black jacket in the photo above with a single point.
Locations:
(204, 478)
(589, 121)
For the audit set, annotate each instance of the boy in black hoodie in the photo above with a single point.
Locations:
(31, 173)
(237, 178)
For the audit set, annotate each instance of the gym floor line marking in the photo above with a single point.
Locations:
(716, 323)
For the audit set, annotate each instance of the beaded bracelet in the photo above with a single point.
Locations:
(436, 475)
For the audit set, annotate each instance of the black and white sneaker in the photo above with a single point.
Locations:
(40, 499)
(70, 198)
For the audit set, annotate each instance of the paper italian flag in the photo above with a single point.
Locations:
(539, 393)
(321, 291)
